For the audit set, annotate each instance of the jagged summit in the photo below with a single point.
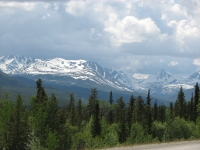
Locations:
(161, 77)
(194, 78)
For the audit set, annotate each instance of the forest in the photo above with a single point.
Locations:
(98, 124)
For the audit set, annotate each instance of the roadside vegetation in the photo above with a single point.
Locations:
(98, 124)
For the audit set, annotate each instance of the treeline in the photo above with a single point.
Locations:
(97, 124)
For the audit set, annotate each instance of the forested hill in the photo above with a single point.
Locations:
(96, 124)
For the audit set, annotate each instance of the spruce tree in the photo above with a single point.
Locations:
(41, 96)
(72, 110)
(120, 119)
(196, 101)
(52, 112)
(19, 125)
(79, 113)
(148, 114)
(180, 102)
(148, 98)
(131, 106)
(39, 113)
(111, 111)
(91, 102)
(96, 126)
(139, 110)
(155, 111)
(161, 113)
(171, 108)
(192, 108)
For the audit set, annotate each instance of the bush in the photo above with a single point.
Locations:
(52, 141)
(181, 129)
(136, 134)
(158, 130)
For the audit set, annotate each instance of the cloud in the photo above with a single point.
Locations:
(45, 16)
(173, 63)
(28, 6)
(94, 34)
(134, 36)
(140, 76)
(76, 8)
(196, 62)
(130, 29)
(56, 6)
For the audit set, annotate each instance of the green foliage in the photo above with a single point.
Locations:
(33, 142)
(93, 126)
(181, 129)
(52, 141)
(136, 134)
(6, 124)
(96, 126)
(158, 130)
(109, 133)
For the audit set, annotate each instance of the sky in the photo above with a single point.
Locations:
(139, 37)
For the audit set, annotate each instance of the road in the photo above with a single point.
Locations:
(185, 145)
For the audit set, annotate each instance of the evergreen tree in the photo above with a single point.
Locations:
(96, 126)
(6, 124)
(139, 110)
(39, 113)
(148, 98)
(41, 96)
(72, 110)
(52, 110)
(110, 111)
(131, 106)
(91, 102)
(180, 104)
(196, 100)
(161, 113)
(79, 113)
(192, 108)
(155, 111)
(19, 125)
(171, 108)
(111, 98)
(148, 115)
(120, 119)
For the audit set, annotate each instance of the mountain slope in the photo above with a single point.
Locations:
(72, 72)
(88, 74)
(194, 78)
(164, 83)
(6, 80)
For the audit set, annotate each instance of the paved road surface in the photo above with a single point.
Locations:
(186, 145)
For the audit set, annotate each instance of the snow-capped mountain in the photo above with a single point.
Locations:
(65, 71)
(90, 74)
(194, 78)
(14, 64)
(163, 82)
(161, 77)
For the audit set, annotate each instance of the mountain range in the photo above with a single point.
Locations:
(88, 74)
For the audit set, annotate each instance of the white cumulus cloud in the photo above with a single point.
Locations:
(196, 62)
(75, 8)
(19, 5)
(140, 76)
(173, 63)
(130, 29)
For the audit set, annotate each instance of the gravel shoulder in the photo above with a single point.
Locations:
(183, 145)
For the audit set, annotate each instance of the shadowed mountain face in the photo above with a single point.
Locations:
(6, 80)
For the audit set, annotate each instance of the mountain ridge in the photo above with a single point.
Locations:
(86, 73)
